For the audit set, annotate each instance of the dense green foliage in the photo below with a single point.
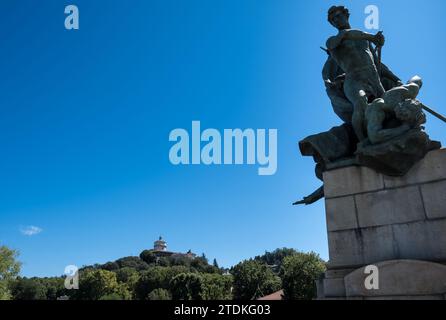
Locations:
(274, 259)
(216, 286)
(153, 276)
(100, 284)
(9, 269)
(159, 294)
(254, 279)
(299, 273)
(37, 288)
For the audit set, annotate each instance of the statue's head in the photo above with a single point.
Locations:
(417, 80)
(338, 17)
(410, 112)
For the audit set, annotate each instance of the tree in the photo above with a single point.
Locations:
(299, 273)
(216, 286)
(132, 262)
(163, 261)
(274, 259)
(121, 293)
(200, 264)
(187, 286)
(128, 278)
(155, 277)
(110, 266)
(27, 289)
(54, 287)
(179, 260)
(94, 284)
(253, 279)
(159, 294)
(173, 271)
(9, 269)
(215, 264)
(148, 256)
(127, 275)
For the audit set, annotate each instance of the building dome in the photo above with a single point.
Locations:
(160, 245)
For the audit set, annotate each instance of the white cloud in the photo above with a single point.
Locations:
(30, 230)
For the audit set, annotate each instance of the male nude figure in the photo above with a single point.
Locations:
(399, 103)
(351, 49)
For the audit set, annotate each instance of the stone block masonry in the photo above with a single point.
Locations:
(373, 219)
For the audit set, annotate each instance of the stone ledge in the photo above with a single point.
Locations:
(400, 278)
(337, 273)
(334, 287)
(358, 179)
(431, 168)
(351, 180)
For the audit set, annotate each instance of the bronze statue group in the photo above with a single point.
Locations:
(382, 117)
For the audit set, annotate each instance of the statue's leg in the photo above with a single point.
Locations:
(352, 87)
(378, 88)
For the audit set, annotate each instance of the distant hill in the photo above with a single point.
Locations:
(158, 274)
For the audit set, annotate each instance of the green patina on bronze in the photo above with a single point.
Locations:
(382, 117)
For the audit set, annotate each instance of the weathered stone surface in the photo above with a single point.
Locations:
(345, 248)
(334, 287)
(400, 278)
(351, 180)
(338, 273)
(320, 289)
(378, 244)
(434, 196)
(341, 213)
(431, 168)
(389, 207)
(372, 219)
(425, 240)
(369, 245)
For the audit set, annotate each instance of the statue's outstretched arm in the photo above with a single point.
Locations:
(312, 198)
(334, 42)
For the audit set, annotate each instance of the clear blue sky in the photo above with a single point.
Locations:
(85, 117)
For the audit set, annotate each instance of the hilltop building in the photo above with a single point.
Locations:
(160, 250)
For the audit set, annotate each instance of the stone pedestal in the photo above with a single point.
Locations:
(396, 224)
